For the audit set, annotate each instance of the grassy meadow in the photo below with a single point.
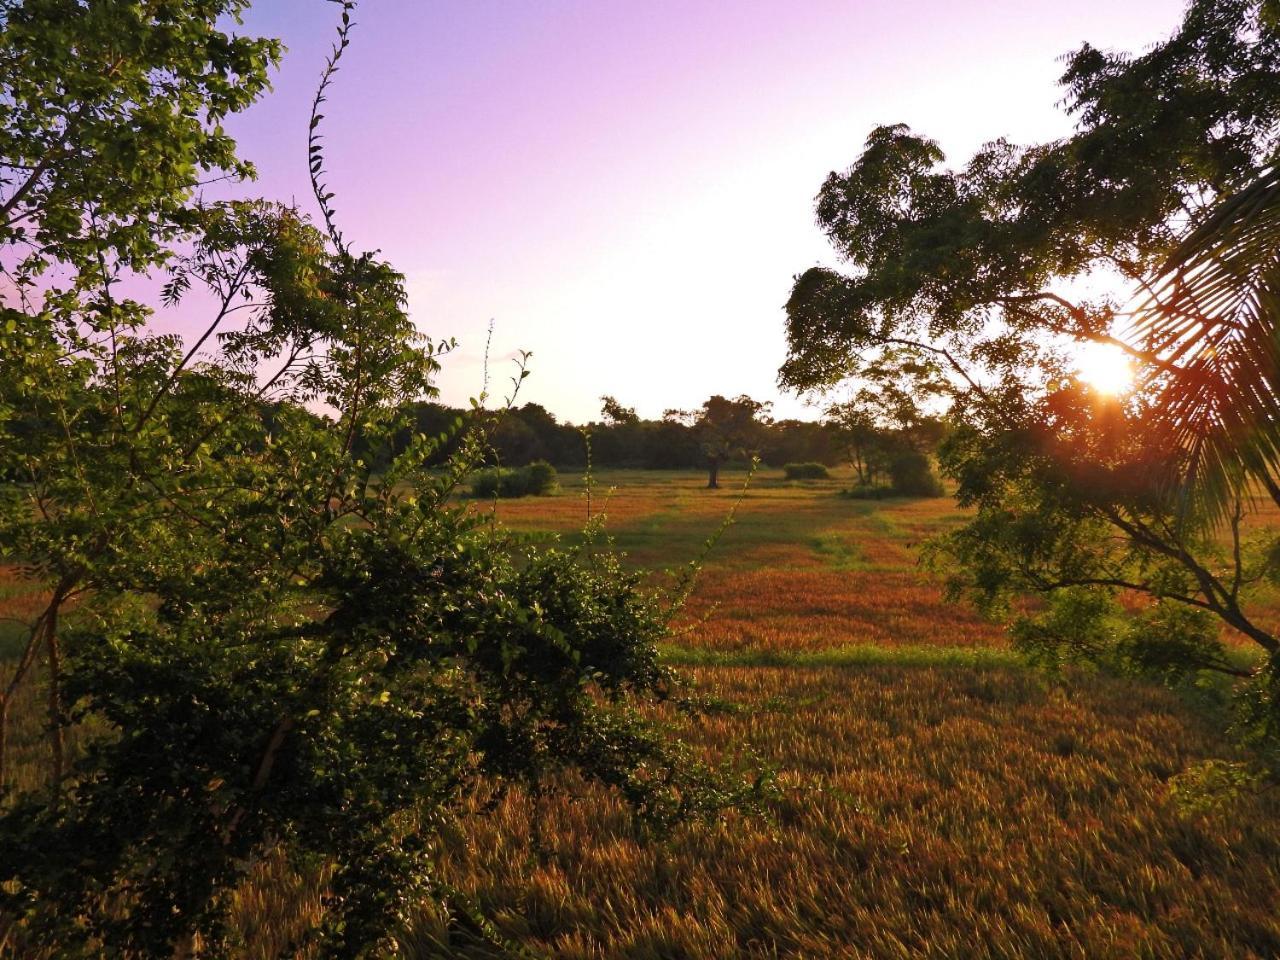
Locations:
(938, 799)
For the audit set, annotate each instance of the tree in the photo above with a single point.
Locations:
(615, 414)
(273, 645)
(724, 428)
(101, 146)
(886, 415)
(1083, 498)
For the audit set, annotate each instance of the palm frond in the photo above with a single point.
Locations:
(1212, 320)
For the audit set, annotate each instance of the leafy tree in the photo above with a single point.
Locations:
(101, 146)
(799, 441)
(724, 428)
(885, 417)
(615, 413)
(1085, 498)
(274, 644)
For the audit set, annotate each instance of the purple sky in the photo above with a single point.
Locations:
(626, 188)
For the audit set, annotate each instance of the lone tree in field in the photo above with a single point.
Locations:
(1080, 496)
(725, 429)
(269, 647)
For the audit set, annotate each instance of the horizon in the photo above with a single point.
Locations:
(602, 181)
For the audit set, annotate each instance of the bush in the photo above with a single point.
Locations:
(513, 484)
(912, 475)
(538, 479)
(485, 483)
(868, 491)
(541, 478)
(806, 471)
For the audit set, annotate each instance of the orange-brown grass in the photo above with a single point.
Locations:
(957, 811)
(926, 813)
(19, 600)
(802, 568)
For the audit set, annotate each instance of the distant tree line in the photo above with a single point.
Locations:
(722, 431)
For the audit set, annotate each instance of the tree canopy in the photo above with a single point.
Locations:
(724, 428)
(973, 263)
(266, 644)
(1150, 228)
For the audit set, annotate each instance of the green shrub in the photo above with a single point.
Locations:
(538, 479)
(912, 475)
(868, 491)
(806, 471)
(485, 483)
(541, 478)
(513, 484)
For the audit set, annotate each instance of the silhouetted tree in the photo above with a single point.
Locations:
(1087, 499)
(724, 428)
(615, 414)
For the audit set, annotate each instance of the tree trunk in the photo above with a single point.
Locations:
(4, 738)
(713, 474)
(56, 733)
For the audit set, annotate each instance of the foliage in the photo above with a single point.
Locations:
(266, 645)
(541, 478)
(885, 415)
(805, 471)
(868, 491)
(724, 429)
(1066, 507)
(911, 475)
(530, 432)
(616, 414)
(1214, 787)
(537, 479)
(1215, 305)
(1126, 513)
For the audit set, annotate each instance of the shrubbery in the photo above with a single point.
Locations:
(806, 471)
(911, 474)
(869, 491)
(538, 479)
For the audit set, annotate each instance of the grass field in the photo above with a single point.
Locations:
(801, 569)
(938, 798)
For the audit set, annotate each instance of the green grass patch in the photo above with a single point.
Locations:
(857, 655)
(839, 551)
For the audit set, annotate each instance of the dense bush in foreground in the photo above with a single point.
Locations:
(257, 647)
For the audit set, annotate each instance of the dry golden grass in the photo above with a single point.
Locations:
(927, 813)
(949, 812)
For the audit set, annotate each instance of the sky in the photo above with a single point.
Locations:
(625, 188)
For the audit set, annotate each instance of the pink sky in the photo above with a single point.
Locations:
(626, 188)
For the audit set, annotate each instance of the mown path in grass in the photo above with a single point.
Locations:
(801, 569)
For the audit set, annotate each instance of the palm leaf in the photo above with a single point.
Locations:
(1212, 322)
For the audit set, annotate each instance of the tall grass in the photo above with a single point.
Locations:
(938, 799)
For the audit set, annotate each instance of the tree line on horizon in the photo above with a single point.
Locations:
(859, 432)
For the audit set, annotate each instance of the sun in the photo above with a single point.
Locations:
(1104, 367)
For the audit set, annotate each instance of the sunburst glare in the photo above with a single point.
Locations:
(1104, 367)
